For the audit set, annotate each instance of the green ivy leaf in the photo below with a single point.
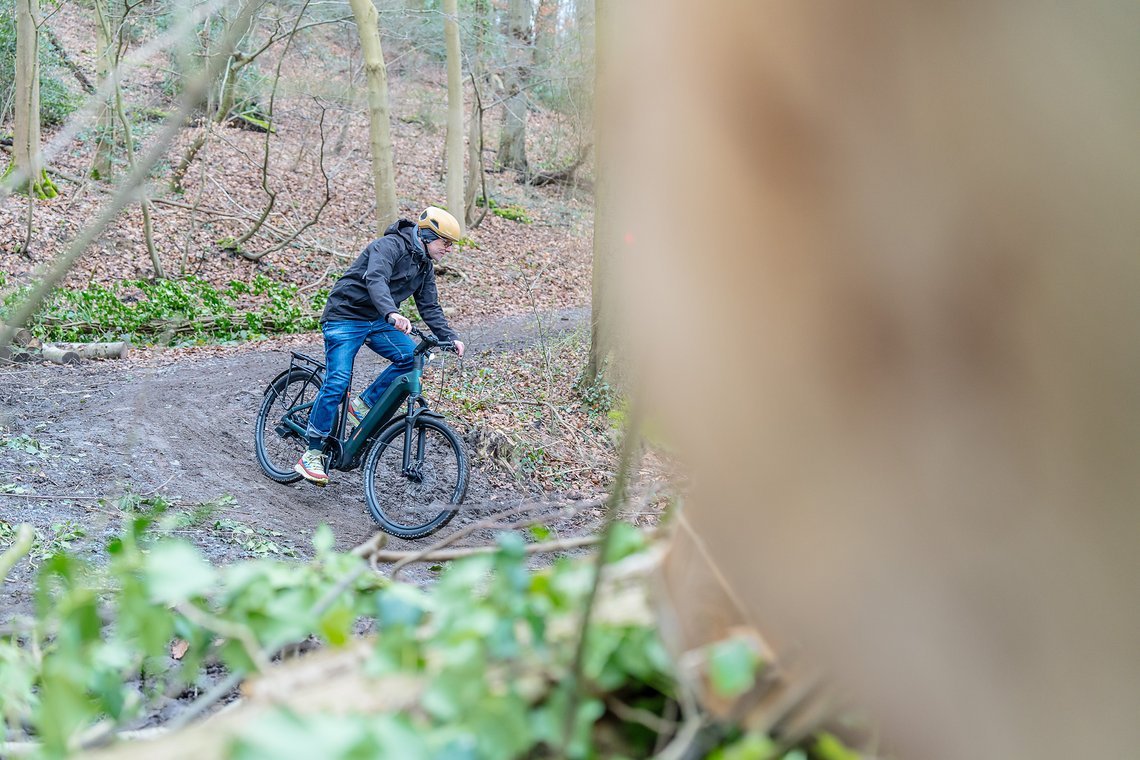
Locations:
(541, 532)
(175, 572)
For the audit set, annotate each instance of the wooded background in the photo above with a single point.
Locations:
(874, 270)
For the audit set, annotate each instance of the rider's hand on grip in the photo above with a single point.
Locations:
(400, 322)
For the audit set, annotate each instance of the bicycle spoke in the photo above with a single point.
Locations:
(412, 499)
(278, 453)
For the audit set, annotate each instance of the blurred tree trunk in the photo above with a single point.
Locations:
(454, 110)
(27, 167)
(512, 142)
(601, 338)
(383, 172)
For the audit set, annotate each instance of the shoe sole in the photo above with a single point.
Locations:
(297, 468)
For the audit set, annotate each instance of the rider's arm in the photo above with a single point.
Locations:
(382, 256)
(427, 303)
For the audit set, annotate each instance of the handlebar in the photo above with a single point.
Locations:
(428, 342)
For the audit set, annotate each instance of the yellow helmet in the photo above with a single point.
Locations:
(441, 223)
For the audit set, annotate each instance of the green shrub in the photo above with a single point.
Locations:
(179, 311)
(513, 212)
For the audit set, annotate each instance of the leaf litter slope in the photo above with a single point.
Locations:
(545, 264)
(178, 424)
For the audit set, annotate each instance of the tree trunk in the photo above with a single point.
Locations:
(454, 110)
(106, 58)
(605, 229)
(219, 106)
(27, 168)
(383, 172)
(545, 33)
(228, 93)
(475, 133)
(512, 141)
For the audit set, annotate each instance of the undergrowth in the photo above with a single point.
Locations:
(184, 311)
(512, 212)
(484, 656)
(525, 415)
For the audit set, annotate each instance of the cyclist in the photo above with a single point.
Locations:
(363, 309)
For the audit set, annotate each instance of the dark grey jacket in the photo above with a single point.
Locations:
(388, 271)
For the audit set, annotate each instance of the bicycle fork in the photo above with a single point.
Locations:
(413, 468)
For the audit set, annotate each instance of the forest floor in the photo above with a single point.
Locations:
(86, 448)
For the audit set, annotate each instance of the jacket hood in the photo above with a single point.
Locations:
(407, 231)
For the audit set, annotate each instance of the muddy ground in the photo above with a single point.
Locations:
(179, 423)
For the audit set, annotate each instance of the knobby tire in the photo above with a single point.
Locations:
(404, 506)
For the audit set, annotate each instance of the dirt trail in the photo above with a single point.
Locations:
(180, 424)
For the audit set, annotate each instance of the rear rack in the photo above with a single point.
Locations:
(304, 359)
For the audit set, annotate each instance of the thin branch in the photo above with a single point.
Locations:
(316, 216)
(482, 169)
(274, 38)
(71, 65)
(207, 700)
(241, 240)
(375, 544)
(228, 629)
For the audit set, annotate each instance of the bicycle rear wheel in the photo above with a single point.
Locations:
(417, 502)
(279, 447)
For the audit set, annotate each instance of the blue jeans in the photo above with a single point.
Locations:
(343, 340)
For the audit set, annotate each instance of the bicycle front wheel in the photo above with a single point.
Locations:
(417, 500)
(278, 446)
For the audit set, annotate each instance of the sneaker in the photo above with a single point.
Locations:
(357, 411)
(311, 467)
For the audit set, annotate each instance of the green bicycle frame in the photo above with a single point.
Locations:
(347, 454)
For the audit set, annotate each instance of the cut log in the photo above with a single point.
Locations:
(60, 356)
(21, 336)
(11, 355)
(116, 350)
